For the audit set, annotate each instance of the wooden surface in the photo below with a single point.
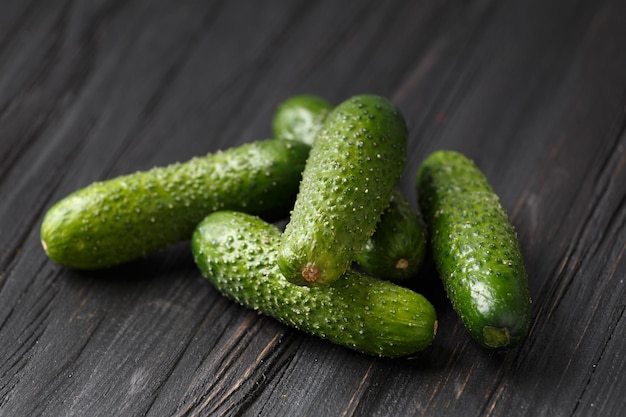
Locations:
(534, 91)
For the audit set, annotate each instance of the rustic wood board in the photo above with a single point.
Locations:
(533, 91)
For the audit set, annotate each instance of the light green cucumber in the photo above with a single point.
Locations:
(118, 220)
(300, 118)
(355, 163)
(475, 249)
(237, 253)
(397, 249)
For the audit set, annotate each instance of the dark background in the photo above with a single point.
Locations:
(534, 91)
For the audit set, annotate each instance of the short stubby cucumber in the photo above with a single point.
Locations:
(355, 164)
(475, 249)
(300, 118)
(237, 253)
(397, 249)
(118, 220)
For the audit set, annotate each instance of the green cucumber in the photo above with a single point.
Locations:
(354, 165)
(118, 220)
(475, 249)
(300, 118)
(237, 253)
(397, 249)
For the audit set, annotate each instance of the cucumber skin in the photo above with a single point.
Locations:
(300, 118)
(118, 220)
(354, 165)
(237, 253)
(397, 249)
(475, 249)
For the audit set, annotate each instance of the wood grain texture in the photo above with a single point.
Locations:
(533, 91)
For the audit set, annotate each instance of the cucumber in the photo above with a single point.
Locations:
(397, 249)
(354, 165)
(475, 249)
(300, 118)
(237, 253)
(118, 220)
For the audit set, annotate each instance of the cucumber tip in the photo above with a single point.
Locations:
(311, 272)
(496, 337)
(402, 263)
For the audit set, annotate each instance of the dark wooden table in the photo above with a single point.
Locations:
(533, 91)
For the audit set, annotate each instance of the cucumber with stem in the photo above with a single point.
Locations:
(475, 249)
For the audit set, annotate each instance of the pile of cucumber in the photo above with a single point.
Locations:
(351, 240)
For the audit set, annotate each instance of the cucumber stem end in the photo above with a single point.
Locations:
(496, 337)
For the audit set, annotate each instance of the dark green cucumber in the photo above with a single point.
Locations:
(121, 219)
(300, 118)
(397, 249)
(354, 165)
(237, 253)
(475, 249)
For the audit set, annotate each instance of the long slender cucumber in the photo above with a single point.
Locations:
(475, 249)
(118, 220)
(237, 253)
(355, 163)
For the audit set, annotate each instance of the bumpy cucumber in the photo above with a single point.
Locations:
(475, 249)
(300, 118)
(397, 249)
(352, 170)
(121, 219)
(237, 253)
